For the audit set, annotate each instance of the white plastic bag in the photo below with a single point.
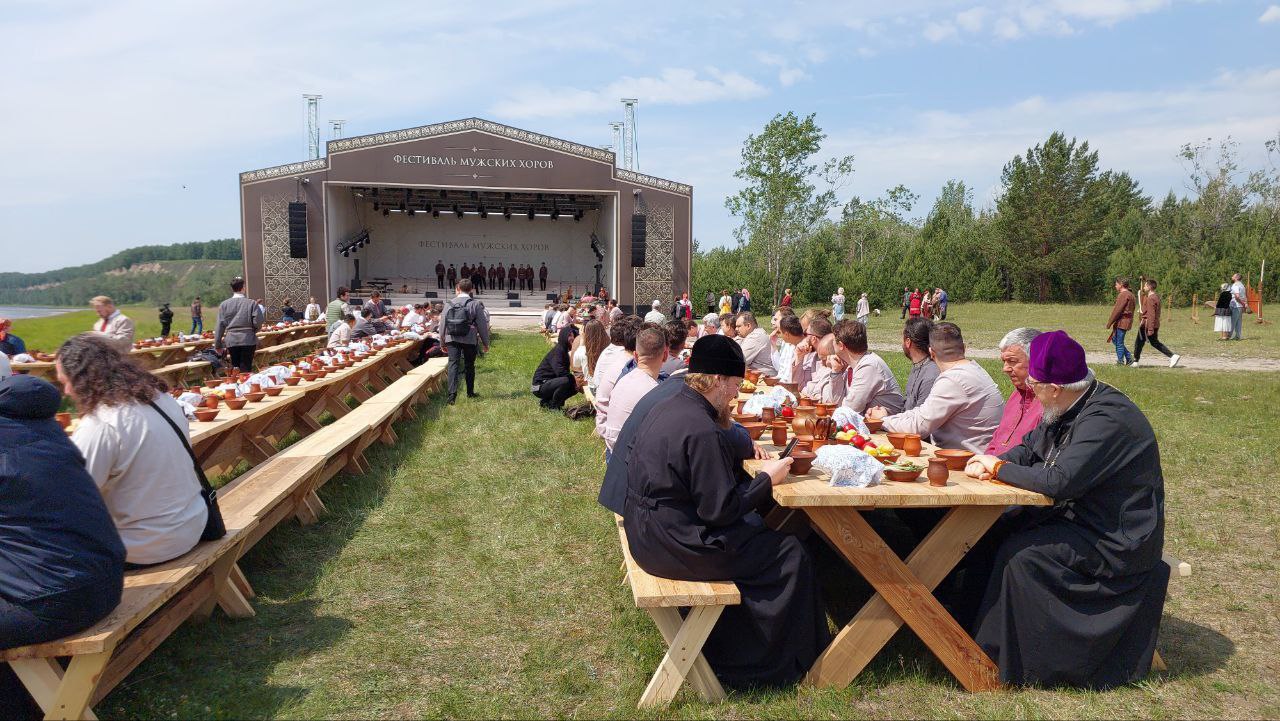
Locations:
(849, 466)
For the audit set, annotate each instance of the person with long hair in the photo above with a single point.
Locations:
(136, 456)
(595, 338)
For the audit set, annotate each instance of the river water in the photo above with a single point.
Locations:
(15, 312)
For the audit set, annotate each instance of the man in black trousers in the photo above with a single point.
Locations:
(463, 324)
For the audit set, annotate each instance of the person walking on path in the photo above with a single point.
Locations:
(166, 320)
(837, 304)
(1121, 320)
(906, 301)
(744, 301)
(914, 301)
(1149, 330)
(463, 325)
(940, 301)
(1239, 305)
(197, 316)
(863, 311)
(239, 319)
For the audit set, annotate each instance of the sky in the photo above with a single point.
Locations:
(126, 123)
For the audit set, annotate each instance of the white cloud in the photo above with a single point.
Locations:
(971, 20)
(937, 32)
(1007, 28)
(675, 86)
(790, 76)
(1270, 15)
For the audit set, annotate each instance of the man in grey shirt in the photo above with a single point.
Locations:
(915, 346)
(463, 324)
(239, 319)
(756, 347)
(964, 407)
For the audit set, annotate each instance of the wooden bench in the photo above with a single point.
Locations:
(662, 598)
(178, 373)
(1177, 569)
(155, 602)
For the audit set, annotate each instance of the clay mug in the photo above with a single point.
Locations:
(938, 471)
(911, 445)
(767, 414)
(779, 432)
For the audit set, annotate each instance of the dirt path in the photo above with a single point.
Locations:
(1153, 360)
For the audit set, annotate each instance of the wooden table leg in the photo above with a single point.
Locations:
(905, 593)
(63, 695)
(684, 650)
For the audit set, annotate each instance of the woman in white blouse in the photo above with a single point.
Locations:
(139, 463)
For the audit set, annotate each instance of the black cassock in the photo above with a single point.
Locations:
(691, 515)
(1077, 590)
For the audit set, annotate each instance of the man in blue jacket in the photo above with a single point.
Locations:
(61, 559)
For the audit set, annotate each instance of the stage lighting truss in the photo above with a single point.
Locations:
(354, 243)
(477, 203)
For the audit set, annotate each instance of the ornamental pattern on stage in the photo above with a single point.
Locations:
(655, 280)
(287, 278)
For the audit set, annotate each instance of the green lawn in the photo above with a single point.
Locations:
(984, 324)
(471, 574)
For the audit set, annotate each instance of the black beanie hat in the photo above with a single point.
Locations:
(717, 355)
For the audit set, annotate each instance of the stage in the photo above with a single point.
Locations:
(390, 206)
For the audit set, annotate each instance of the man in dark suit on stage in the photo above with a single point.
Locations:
(452, 274)
(500, 274)
(542, 277)
(481, 273)
(439, 275)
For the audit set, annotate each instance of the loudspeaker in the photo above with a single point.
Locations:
(514, 304)
(513, 296)
(637, 240)
(552, 296)
(297, 230)
(429, 294)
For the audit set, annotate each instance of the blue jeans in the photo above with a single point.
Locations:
(197, 326)
(1237, 321)
(1122, 353)
(838, 311)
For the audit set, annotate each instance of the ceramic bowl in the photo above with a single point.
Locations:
(889, 460)
(292, 380)
(956, 459)
(897, 439)
(902, 476)
(273, 390)
(204, 415)
(755, 429)
(745, 418)
(801, 462)
(874, 425)
(254, 397)
(235, 404)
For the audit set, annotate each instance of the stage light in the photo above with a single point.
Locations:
(457, 211)
(346, 254)
(530, 212)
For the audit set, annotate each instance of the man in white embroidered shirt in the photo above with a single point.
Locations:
(964, 406)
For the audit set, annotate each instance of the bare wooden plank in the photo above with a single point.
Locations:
(650, 591)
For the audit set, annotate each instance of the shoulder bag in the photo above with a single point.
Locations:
(214, 528)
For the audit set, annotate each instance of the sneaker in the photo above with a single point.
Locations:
(1134, 363)
(1173, 360)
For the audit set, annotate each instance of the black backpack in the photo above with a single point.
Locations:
(458, 320)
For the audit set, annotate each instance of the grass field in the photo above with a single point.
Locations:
(984, 324)
(472, 574)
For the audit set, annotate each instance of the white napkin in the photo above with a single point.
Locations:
(843, 416)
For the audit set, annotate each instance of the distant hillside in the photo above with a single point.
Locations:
(147, 274)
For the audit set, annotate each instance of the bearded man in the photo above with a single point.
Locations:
(692, 514)
(1076, 590)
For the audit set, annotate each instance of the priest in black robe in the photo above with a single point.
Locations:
(1076, 590)
(691, 513)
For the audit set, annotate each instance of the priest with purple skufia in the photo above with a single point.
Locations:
(692, 514)
(1075, 590)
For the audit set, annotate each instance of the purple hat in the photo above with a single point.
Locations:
(1056, 358)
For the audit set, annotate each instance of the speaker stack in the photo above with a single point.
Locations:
(637, 240)
(297, 230)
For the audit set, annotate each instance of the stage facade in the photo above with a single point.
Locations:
(466, 192)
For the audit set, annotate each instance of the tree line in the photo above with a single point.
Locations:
(1060, 231)
(222, 249)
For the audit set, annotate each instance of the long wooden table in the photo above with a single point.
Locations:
(252, 432)
(904, 590)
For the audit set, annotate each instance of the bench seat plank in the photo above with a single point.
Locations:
(654, 592)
